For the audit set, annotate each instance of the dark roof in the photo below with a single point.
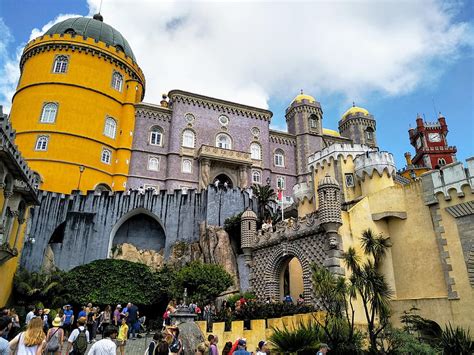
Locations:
(93, 28)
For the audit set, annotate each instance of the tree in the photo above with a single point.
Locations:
(265, 197)
(370, 284)
(202, 281)
(111, 281)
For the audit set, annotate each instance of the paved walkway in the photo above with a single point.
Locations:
(133, 347)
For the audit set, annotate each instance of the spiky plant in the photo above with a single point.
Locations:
(456, 341)
(305, 337)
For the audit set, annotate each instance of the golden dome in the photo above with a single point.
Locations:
(331, 132)
(355, 109)
(299, 98)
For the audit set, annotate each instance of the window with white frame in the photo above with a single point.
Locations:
(279, 157)
(106, 156)
(110, 128)
(255, 151)
(256, 177)
(153, 163)
(117, 81)
(156, 135)
(60, 64)
(313, 121)
(188, 138)
(187, 166)
(223, 141)
(42, 143)
(48, 114)
(281, 184)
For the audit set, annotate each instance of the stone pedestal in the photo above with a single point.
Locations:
(189, 331)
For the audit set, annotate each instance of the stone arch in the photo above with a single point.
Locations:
(158, 231)
(102, 187)
(222, 176)
(280, 258)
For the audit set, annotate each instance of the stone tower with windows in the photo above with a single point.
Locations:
(304, 119)
(359, 125)
(248, 230)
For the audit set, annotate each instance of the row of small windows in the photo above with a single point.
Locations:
(186, 165)
(61, 63)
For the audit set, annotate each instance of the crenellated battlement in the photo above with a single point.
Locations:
(372, 161)
(334, 151)
(303, 190)
(452, 177)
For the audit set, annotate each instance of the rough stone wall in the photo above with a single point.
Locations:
(91, 221)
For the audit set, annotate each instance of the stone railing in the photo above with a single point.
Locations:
(216, 153)
(334, 151)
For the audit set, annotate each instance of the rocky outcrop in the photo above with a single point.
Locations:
(151, 258)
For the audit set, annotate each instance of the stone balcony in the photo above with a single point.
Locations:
(225, 155)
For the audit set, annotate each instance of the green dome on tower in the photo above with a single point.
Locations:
(93, 28)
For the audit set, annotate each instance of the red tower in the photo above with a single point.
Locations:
(431, 145)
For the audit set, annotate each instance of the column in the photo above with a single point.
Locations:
(243, 176)
(7, 195)
(205, 174)
(21, 221)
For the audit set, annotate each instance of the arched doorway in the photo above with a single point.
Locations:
(223, 179)
(291, 278)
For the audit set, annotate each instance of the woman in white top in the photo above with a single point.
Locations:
(30, 342)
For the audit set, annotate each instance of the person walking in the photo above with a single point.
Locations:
(213, 340)
(106, 318)
(67, 319)
(117, 318)
(133, 321)
(55, 338)
(241, 348)
(15, 328)
(91, 318)
(176, 345)
(79, 338)
(30, 315)
(262, 348)
(105, 346)
(4, 344)
(122, 336)
(31, 341)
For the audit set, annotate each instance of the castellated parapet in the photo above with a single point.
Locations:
(334, 151)
(303, 190)
(374, 161)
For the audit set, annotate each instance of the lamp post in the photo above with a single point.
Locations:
(268, 180)
(81, 170)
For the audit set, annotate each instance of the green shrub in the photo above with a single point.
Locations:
(304, 338)
(234, 298)
(402, 342)
(456, 341)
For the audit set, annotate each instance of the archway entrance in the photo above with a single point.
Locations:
(291, 279)
(224, 181)
(142, 231)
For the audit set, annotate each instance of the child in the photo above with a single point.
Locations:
(122, 336)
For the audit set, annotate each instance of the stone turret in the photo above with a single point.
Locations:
(248, 230)
(375, 171)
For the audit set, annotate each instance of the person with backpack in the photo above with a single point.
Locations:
(79, 338)
(123, 336)
(158, 346)
(176, 345)
(55, 338)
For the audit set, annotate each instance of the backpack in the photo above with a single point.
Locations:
(53, 343)
(155, 345)
(80, 344)
(175, 345)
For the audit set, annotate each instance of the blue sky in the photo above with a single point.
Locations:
(172, 42)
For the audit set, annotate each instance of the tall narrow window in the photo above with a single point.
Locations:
(188, 138)
(187, 166)
(255, 151)
(41, 143)
(106, 156)
(281, 184)
(369, 133)
(153, 164)
(313, 121)
(117, 81)
(60, 64)
(256, 177)
(156, 135)
(48, 115)
(223, 141)
(279, 157)
(110, 127)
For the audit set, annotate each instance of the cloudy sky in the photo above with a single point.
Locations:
(395, 58)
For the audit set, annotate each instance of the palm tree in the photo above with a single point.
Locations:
(370, 284)
(265, 196)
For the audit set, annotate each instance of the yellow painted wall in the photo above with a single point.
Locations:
(85, 98)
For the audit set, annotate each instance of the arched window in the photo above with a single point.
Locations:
(60, 64)
(223, 141)
(441, 161)
(279, 157)
(156, 135)
(41, 143)
(106, 156)
(188, 138)
(110, 127)
(153, 163)
(256, 177)
(369, 132)
(313, 121)
(281, 184)
(255, 151)
(187, 166)
(117, 81)
(48, 114)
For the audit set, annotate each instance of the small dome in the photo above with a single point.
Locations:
(331, 132)
(328, 180)
(355, 110)
(93, 28)
(249, 214)
(299, 98)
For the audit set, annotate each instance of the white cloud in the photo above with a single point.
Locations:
(251, 51)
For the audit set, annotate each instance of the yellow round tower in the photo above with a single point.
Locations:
(73, 109)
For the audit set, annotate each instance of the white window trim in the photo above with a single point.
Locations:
(282, 155)
(158, 163)
(227, 120)
(183, 143)
(102, 156)
(46, 138)
(56, 60)
(120, 88)
(182, 166)
(226, 135)
(114, 133)
(259, 151)
(159, 131)
(282, 178)
(43, 110)
(260, 177)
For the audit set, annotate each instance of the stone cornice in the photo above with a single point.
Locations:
(282, 138)
(291, 111)
(219, 105)
(153, 111)
(351, 119)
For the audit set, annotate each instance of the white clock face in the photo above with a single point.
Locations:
(418, 142)
(434, 137)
